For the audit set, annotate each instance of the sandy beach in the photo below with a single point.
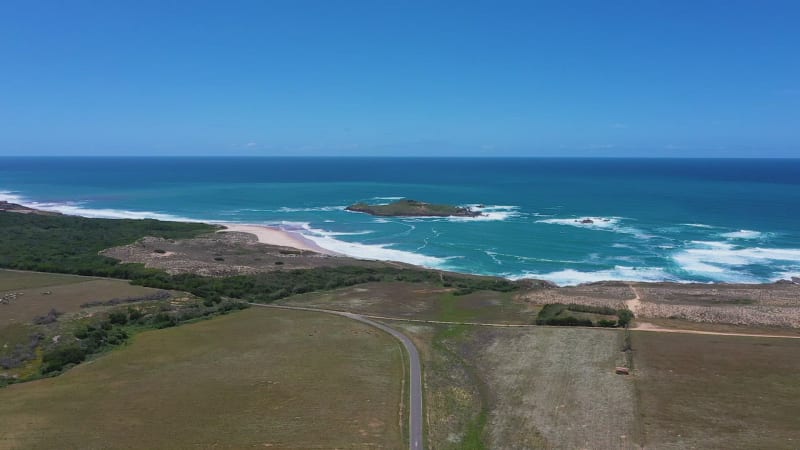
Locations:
(275, 236)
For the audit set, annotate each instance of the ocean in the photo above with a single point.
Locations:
(566, 220)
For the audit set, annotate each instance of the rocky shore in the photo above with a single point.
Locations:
(413, 208)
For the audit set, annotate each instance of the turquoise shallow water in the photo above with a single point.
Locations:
(651, 219)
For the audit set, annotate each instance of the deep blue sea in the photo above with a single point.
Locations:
(651, 219)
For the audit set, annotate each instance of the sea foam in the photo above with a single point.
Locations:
(743, 234)
(613, 224)
(572, 277)
(724, 261)
(77, 209)
(382, 252)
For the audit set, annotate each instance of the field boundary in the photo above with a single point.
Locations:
(416, 438)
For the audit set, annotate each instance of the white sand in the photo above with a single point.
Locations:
(275, 236)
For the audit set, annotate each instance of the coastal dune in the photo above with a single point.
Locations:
(276, 236)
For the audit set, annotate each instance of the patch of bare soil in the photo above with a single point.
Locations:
(224, 254)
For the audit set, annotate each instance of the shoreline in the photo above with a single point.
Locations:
(277, 236)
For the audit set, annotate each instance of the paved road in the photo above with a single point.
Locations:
(415, 385)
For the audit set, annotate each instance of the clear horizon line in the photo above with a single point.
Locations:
(408, 156)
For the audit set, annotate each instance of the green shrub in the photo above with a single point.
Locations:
(118, 317)
(624, 317)
(56, 359)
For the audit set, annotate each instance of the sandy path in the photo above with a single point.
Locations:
(635, 303)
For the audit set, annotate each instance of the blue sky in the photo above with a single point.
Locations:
(381, 77)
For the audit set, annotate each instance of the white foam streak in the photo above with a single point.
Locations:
(612, 224)
(380, 252)
(75, 209)
(742, 234)
(572, 277)
(489, 213)
(722, 261)
(697, 225)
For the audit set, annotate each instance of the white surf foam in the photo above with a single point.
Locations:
(697, 225)
(571, 277)
(76, 209)
(382, 252)
(489, 213)
(613, 224)
(743, 234)
(724, 261)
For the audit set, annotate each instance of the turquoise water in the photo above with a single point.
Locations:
(652, 219)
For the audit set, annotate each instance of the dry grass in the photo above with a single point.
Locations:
(759, 305)
(18, 279)
(257, 378)
(610, 294)
(422, 301)
(699, 391)
(67, 296)
(555, 388)
(33, 294)
(541, 387)
(678, 324)
(453, 403)
(756, 315)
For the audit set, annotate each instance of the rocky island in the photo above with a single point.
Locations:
(413, 208)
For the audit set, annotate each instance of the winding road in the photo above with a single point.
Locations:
(415, 440)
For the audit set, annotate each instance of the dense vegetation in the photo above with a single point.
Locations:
(270, 286)
(559, 314)
(70, 244)
(408, 207)
(80, 339)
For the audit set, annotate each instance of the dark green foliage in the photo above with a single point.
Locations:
(56, 359)
(118, 317)
(624, 317)
(558, 314)
(604, 310)
(548, 312)
(469, 285)
(70, 244)
(134, 314)
(160, 295)
(271, 286)
(569, 321)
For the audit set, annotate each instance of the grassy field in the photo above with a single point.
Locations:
(542, 387)
(454, 404)
(426, 301)
(37, 293)
(256, 378)
(17, 279)
(699, 391)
